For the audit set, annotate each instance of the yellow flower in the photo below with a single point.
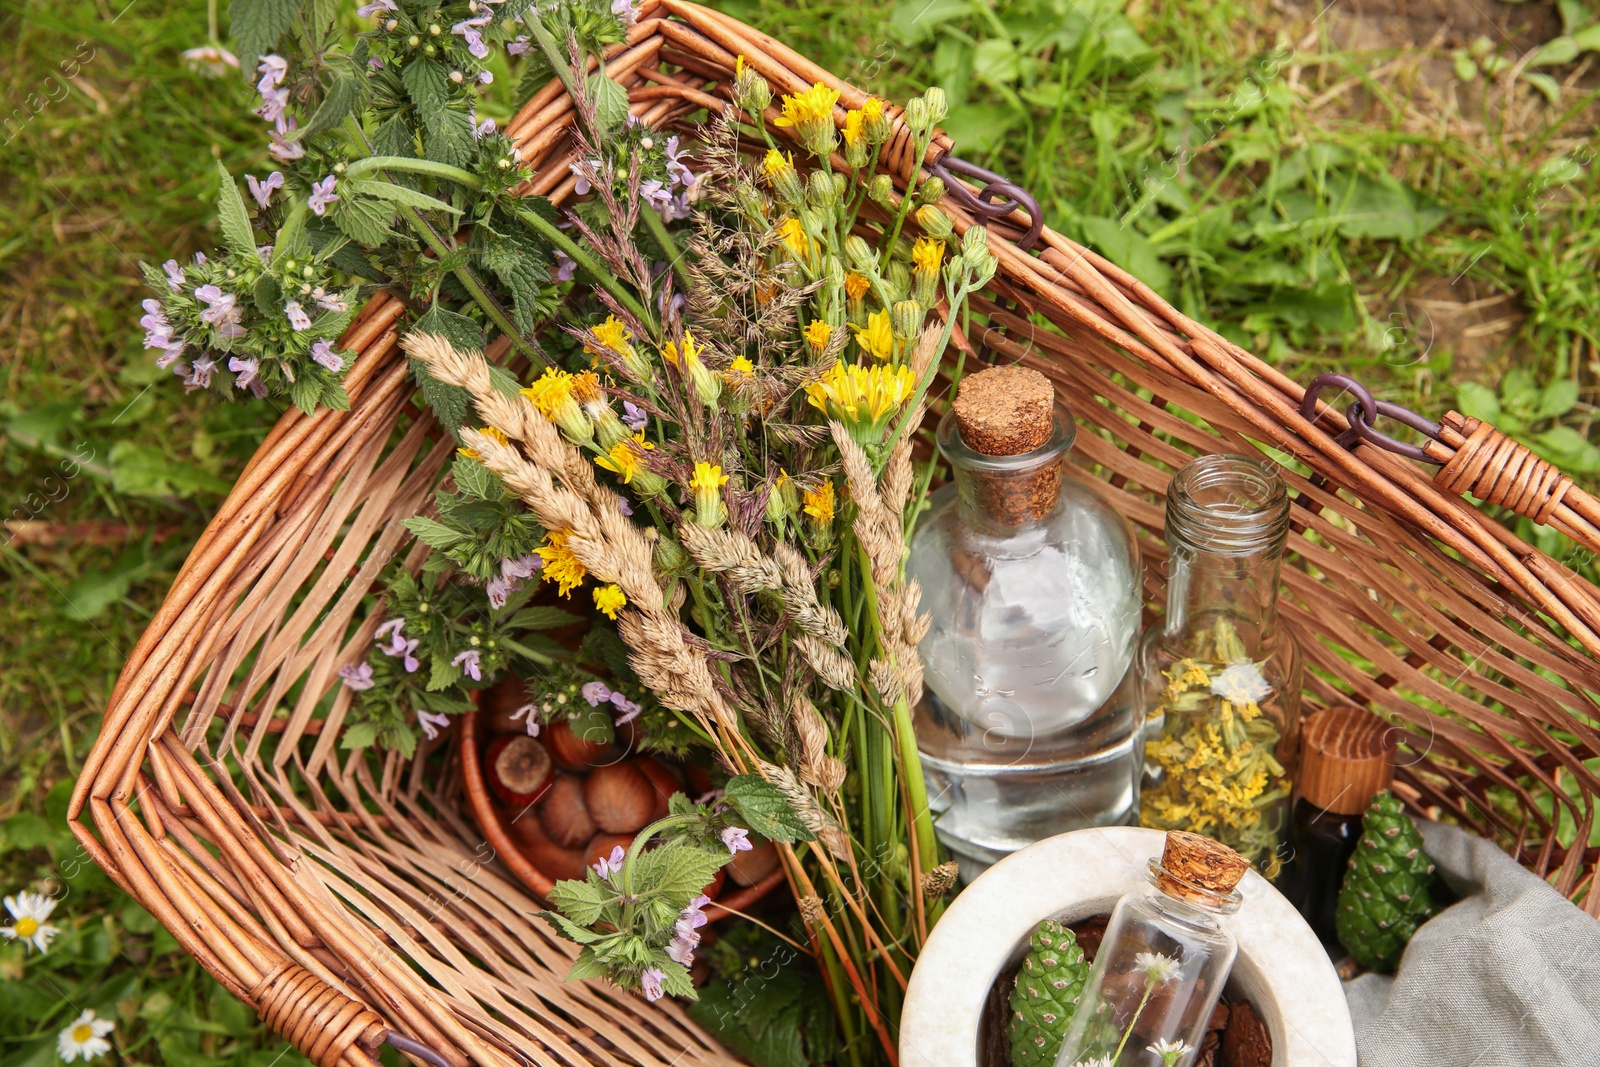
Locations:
(872, 108)
(927, 255)
(708, 477)
(819, 503)
(801, 246)
(613, 334)
(492, 434)
(852, 126)
(552, 394)
(818, 334)
(856, 285)
(610, 599)
(738, 67)
(707, 486)
(776, 163)
(815, 104)
(560, 565)
(877, 337)
(690, 352)
(623, 459)
(738, 370)
(860, 397)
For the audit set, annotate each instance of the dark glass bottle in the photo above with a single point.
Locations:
(1346, 755)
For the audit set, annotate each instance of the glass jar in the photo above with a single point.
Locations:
(1029, 724)
(1158, 972)
(1220, 677)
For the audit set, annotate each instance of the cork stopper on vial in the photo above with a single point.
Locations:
(1346, 756)
(1198, 869)
(1010, 411)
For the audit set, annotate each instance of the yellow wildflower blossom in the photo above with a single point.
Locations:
(818, 334)
(708, 478)
(872, 108)
(798, 242)
(613, 334)
(852, 127)
(491, 433)
(610, 599)
(549, 391)
(776, 163)
(623, 459)
(819, 503)
(927, 255)
(560, 565)
(861, 397)
(877, 336)
(740, 369)
(689, 352)
(856, 285)
(706, 484)
(813, 105)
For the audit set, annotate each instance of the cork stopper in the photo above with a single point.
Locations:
(1194, 867)
(1005, 411)
(1346, 756)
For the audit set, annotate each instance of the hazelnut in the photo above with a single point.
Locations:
(602, 844)
(748, 868)
(619, 797)
(661, 780)
(563, 814)
(571, 751)
(557, 862)
(517, 770)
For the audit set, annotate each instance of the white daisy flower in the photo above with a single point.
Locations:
(1157, 967)
(1098, 1061)
(1169, 1052)
(29, 912)
(1241, 682)
(85, 1039)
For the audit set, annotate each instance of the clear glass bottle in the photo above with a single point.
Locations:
(1162, 963)
(1220, 677)
(1029, 725)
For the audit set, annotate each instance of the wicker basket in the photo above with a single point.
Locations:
(350, 899)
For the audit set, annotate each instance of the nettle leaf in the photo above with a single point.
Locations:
(305, 392)
(675, 980)
(586, 967)
(363, 218)
(405, 197)
(268, 295)
(766, 809)
(610, 101)
(540, 617)
(359, 735)
(293, 241)
(567, 928)
(257, 24)
(433, 533)
(343, 98)
(678, 871)
(582, 902)
(236, 231)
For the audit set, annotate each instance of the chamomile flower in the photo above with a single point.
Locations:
(1168, 1052)
(1241, 683)
(28, 913)
(1157, 967)
(85, 1039)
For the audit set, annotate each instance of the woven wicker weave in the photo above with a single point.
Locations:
(347, 898)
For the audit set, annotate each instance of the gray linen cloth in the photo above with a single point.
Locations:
(1508, 977)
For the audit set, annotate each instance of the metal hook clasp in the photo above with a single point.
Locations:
(1363, 409)
(987, 203)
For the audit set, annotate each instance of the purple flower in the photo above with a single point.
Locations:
(246, 369)
(374, 63)
(399, 646)
(485, 78)
(586, 171)
(199, 376)
(532, 718)
(737, 838)
(297, 315)
(168, 357)
(521, 46)
(330, 301)
(624, 10)
(390, 628)
(677, 208)
(200, 259)
(324, 354)
(357, 676)
(175, 277)
(629, 709)
(596, 693)
(709, 796)
(611, 864)
(275, 107)
(483, 129)
(322, 195)
(626, 508)
(692, 918)
(633, 416)
(468, 32)
(282, 150)
(497, 589)
(265, 252)
(432, 724)
(272, 70)
(154, 320)
(521, 567)
(468, 661)
(679, 170)
(655, 193)
(650, 980)
(262, 190)
(681, 951)
(368, 10)
(566, 266)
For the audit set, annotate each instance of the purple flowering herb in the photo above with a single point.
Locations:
(282, 150)
(483, 129)
(655, 193)
(272, 69)
(611, 864)
(737, 838)
(596, 693)
(366, 11)
(323, 353)
(650, 982)
(624, 507)
(330, 301)
(432, 724)
(468, 32)
(566, 267)
(322, 195)
(629, 710)
(521, 566)
(681, 951)
(469, 661)
(265, 253)
(200, 259)
(633, 416)
(399, 647)
(626, 11)
(175, 277)
(391, 628)
(262, 189)
(357, 676)
(297, 315)
(274, 107)
(521, 46)
(709, 796)
(246, 371)
(485, 78)
(199, 376)
(530, 715)
(497, 589)
(374, 63)
(588, 172)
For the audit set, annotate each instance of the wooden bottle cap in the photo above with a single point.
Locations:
(1005, 411)
(1195, 861)
(1346, 755)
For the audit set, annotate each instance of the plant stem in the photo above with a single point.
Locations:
(1148, 988)
(553, 234)
(658, 230)
(552, 52)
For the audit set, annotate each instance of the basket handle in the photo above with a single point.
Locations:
(323, 1023)
(1472, 457)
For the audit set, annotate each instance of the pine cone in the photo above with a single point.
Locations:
(1386, 891)
(1046, 995)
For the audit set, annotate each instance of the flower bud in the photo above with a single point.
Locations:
(931, 191)
(750, 201)
(935, 222)
(938, 107)
(860, 254)
(855, 153)
(874, 123)
(821, 190)
(880, 189)
(782, 500)
(898, 277)
(916, 115)
(905, 318)
(670, 558)
(750, 90)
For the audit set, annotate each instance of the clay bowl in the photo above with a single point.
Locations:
(493, 821)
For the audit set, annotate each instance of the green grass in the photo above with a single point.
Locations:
(1325, 205)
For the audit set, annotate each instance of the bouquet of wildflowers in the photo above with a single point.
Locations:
(730, 353)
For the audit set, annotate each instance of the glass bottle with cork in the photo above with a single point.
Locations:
(1220, 676)
(1029, 725)
(1162, 964)
(1346, 756)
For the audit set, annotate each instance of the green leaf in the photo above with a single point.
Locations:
(1547, 86)
(344, 97)
(359, 735)
(766, 809)
(364, 219)
(257, 24)
(399, 194)
(1568, 449)
(586, 967)
(567, 928)
(1478, 402)
(582, 902)
(541, 617)
(236, 231)
(141, 470)
(1557, 398)
(268, 296)
(293, 242)
(676, 872)
(450, 404)
(610, 101)
(1588, 38)
(1556, 52)
(915, 21)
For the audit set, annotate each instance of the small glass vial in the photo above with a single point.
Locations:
(1030, 724)
(1346, 756)
(1162, 963)
(1220, 677)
